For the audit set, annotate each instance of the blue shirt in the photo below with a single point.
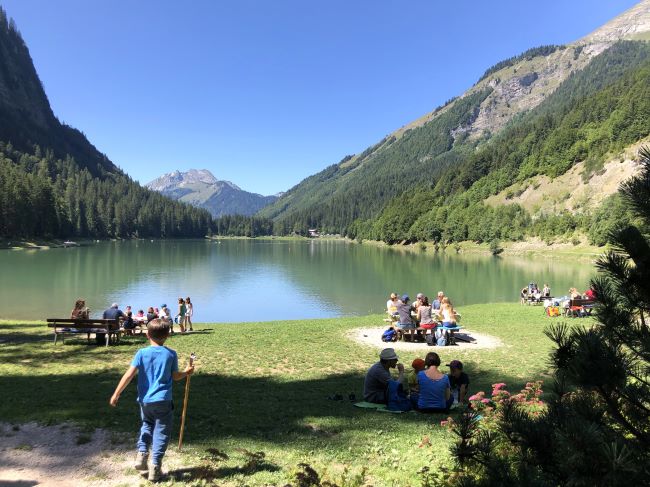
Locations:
(155, 367)
(436, 304)
(432, 392)
(113, 313)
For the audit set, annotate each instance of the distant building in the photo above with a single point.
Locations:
(313, 232)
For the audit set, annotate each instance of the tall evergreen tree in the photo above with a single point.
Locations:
(596, 428)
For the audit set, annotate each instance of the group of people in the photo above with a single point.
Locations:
(428, 389)
(183, 317)
(532, 293)
(407, 316)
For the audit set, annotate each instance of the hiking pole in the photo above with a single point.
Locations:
(187, 396)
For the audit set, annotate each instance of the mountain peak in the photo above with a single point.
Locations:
(633, 24)
(199, 187)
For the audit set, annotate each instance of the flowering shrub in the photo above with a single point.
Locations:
(489, 407)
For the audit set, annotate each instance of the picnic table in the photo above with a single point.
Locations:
(69, 326)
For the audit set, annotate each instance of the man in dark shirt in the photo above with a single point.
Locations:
(458, 380)
(112, 313)
(375, 385)
(406, 323)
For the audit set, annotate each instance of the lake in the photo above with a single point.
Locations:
(261, 280)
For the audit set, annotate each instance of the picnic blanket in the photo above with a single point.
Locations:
(377, 407)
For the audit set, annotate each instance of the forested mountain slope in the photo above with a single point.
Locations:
(54, 182)
(440, 154)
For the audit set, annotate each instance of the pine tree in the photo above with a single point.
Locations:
(596, 428)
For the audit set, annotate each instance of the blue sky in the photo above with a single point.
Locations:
(264, 93)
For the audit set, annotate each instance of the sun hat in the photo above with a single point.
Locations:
(388, 354)
(455, 364)
(405, 297)
(418, 364)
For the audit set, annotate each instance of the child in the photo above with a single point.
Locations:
(156, 366)
(458, 380)
(418, 365)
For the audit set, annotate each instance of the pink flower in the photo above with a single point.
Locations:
(476, 397)
(444, 423)
(485, 401)
(499, 386)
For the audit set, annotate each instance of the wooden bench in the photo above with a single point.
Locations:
(579, 307)
(68, 326)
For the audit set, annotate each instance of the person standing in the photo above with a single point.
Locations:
(182, 309)
(189, 313)
(156, 367)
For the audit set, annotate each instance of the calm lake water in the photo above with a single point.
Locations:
(252, 280)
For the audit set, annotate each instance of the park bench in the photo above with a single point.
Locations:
(579, 307)
(69, 326)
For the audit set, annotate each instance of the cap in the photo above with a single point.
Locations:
(455, 364)
(405, 297)
(388, 354)
(418, 364)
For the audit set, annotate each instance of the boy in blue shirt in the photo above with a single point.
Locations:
(156, 367)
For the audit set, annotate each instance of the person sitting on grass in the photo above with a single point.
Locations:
(412, 378)
(80, 312)
(406, 323)
(458, 380)
(156, 366)
(434, 388)
(375, 385)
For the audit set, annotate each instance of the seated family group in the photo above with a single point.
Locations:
(425, 388)
(409, 318)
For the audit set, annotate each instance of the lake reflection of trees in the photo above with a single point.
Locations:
(262, 279)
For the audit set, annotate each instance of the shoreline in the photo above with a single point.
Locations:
(529, 247)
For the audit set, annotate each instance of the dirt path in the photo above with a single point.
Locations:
(65, 456)
(372, 337)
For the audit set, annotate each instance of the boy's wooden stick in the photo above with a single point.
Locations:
(187, 396)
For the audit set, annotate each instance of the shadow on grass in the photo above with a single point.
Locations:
(254, 462)
(221, 406)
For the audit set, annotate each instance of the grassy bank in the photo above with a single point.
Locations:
(530, 247)
(265, 387)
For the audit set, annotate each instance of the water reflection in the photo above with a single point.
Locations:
(247, 280)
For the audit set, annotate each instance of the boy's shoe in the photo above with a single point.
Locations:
(141, 461)
(155, 473)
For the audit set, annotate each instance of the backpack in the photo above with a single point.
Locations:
(430, 339)
(389, 336)
(442, 338)
(397, 398)
(553, 311)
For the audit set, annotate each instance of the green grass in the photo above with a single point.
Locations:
(263, 387)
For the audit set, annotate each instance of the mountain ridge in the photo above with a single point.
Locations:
(200, 188)
(338, 195)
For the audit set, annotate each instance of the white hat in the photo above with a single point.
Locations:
(388, 354)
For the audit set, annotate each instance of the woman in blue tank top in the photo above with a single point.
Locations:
(435, 391)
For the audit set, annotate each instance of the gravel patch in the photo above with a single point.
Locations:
(372, 337)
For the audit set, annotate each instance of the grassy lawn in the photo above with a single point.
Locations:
(265, 387)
